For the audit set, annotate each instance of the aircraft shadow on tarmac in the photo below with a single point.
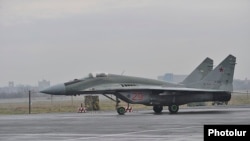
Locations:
(192, 112)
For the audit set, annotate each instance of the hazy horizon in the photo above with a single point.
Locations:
(60, 40)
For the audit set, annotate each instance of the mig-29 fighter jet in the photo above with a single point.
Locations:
(215, 86)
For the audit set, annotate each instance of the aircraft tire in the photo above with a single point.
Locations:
(158, 109)
(173, 109)
(121, 110)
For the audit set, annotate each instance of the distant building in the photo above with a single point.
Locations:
(179, 78)
(11, 84)
(170, 77)
(246, 81)
(43, 84)
(241, 85)
(167, 77)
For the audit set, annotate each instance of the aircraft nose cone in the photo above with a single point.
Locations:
(55, 90)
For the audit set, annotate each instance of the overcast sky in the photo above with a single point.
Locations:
(59, 40)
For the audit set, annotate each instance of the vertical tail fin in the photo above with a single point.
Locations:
(199, 72)
(221, 77)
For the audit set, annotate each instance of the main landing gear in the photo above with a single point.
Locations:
(173, 109)
(158, 109)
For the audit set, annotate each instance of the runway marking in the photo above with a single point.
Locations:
(129, 133)
(78, 137)
(96, 136)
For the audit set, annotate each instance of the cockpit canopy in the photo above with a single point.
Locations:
(94, 75)
(91, 75)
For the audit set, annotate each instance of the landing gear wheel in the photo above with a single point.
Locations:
(121, 110)
(158, 109)
(173, 109)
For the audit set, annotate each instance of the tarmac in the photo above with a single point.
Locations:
(144, 125)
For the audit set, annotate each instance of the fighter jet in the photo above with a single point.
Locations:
(215, 86)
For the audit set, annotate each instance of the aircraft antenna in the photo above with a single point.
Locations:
(123, 72)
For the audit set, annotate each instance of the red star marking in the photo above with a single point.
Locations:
(221, 69)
